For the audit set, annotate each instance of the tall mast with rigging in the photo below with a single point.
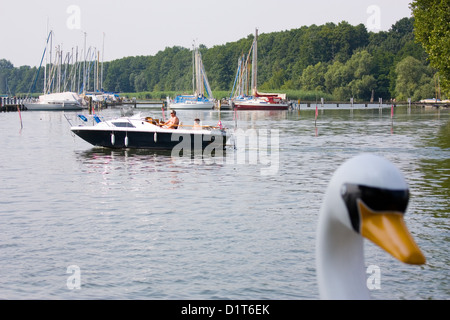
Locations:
(255, 64)
(193, 67)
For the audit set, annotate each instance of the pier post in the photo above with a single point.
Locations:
(90, 105)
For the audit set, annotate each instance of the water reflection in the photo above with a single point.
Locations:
(118, 165)
(442, 139)
(146, 215)
(436, 170)
(148, 160)
(96, 153)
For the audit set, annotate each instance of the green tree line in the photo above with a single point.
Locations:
(432, 30)
(338, 61)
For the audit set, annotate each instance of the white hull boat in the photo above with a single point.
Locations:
(256, 101)
(64, 101)
(191, 102)
(202, 97)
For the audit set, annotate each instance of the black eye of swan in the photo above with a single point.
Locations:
(376, 199)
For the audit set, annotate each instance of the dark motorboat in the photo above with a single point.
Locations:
(148, 133)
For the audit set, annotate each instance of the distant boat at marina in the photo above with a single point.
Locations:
(55, 95)
(190, 102)
(202, 97)
(240, 99)
(106, 97)
(57, 102)
(261, 102)
(66, 80)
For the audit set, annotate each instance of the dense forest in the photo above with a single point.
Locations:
(337, 61)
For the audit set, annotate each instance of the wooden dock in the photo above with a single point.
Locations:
(437, 105)
(8, 104)
(336, 104)
(11, 104)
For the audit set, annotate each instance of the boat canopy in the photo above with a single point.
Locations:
(60, 97)
(190, 98)
(276, 95)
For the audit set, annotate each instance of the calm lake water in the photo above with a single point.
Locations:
(145, 225)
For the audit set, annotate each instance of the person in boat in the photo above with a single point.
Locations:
(197, 124)
(173, 122)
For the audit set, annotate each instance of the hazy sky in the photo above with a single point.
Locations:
(138, 27)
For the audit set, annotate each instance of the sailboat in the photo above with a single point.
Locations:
(53, 98)
(60, 101)
(202, 97)
(240, 99)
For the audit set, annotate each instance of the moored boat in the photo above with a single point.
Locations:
(261, 102)
(57, 95)
(256, 101)
(202, 97)
(190, 102)
(62, 101)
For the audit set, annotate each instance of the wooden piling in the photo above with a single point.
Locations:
(90, 105)
(8, 104)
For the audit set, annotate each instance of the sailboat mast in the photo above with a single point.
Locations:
(193, 68)
(50, 80)
(46, 56)
(46, 61)
(200, 87)
(97, 67)
(59, 56)
(84, 66)
(103, 55)
(45, 67)
(255, 64)
(197, 78)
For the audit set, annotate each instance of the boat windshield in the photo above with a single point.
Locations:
(123, 124)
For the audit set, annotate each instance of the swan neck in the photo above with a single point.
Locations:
(341, 270)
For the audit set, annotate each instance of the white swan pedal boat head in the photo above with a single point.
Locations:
(366, 198)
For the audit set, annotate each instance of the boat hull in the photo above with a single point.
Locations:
(268, 106)
(192, 106)
(61, 101)
(118, 139)
(52, 107)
